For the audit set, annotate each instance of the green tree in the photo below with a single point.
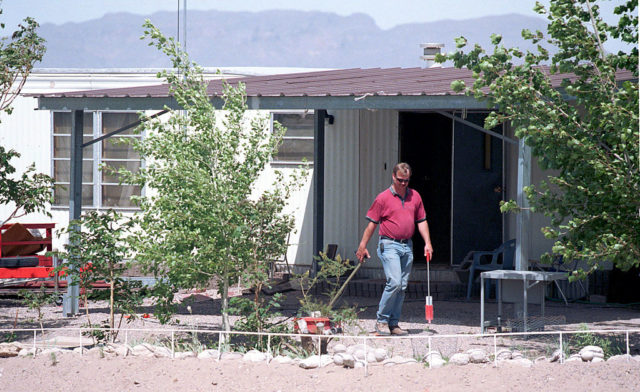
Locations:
(30, 191)
(100, 252)
(27, 193)
(18, 54)
(202, 219)
(586, 131)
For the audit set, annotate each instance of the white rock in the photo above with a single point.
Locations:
(593, 348)
(371, 357)
(380, 354)
(8, 350)
(432, 355)
(434, 359)
(231, 355)
(539, 359)
(358, 364)
(436, 362)
(348, 360)
(209, 353)
(68, 341)
(597, 359)
(109, 348)
(161, 352)
(184, 354)
(337, 359)
(315, 361)
(521, 362)
(325, 360)
(574, 358)
(588, 353)
(459, 359)
(503, 355)
(122, 351)
(254, 356)
(616, 358)
(359, 354)
(555, 356)
(398, 360)
(339, 348)
(283, 359)
(142, 350)
(516, 355)
(477, 356)
(354, 348)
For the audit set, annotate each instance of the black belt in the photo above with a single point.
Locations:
(384, 237)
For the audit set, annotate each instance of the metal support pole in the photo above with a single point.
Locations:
(481, 303)
(525, 301)
(318, 186)
(523, 218)
(70, 299)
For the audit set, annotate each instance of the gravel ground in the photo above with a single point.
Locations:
(451, 317)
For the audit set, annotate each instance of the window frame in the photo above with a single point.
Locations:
(310, 113)
(96, 160)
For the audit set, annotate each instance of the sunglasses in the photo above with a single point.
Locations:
(402, 180)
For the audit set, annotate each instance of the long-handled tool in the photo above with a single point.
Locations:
(428, 307)
(344, 285)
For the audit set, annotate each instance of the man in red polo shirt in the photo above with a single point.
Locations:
(397, 209)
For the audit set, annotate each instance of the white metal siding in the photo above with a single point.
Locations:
(378, 153)
(341, 183)
(27, 132)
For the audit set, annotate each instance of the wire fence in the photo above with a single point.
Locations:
(532, 342)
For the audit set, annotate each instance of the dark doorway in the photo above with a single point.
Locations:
(477, 188)
(425, 144)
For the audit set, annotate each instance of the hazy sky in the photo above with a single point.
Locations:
(386, 13)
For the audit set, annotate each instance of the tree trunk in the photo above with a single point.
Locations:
(226, 326)
(111, 320)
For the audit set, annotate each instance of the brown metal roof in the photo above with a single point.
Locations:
(354, 82)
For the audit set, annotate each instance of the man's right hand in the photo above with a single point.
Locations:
(362, 254)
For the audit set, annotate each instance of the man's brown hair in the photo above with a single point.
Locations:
(402, 167)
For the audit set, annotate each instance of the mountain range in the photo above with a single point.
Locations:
(276, 38)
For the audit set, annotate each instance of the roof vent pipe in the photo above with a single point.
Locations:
(430, 50)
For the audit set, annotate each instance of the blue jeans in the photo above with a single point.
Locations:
(396, 260)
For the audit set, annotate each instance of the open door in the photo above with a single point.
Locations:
(458, 172)
(425, 144)
(477, 189)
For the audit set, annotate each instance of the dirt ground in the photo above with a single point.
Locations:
(76, 373)
(93, 373)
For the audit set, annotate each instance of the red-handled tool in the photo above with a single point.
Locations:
(428, 307)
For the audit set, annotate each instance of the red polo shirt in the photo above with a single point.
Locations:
(397, 216)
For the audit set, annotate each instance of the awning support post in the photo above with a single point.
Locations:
(523, 219)
(318, 186)
(70, 300)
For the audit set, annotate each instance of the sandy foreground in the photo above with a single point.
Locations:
(109, 373)
(152, 374)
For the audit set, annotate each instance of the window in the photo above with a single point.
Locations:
(99, 189)
(297, 143)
